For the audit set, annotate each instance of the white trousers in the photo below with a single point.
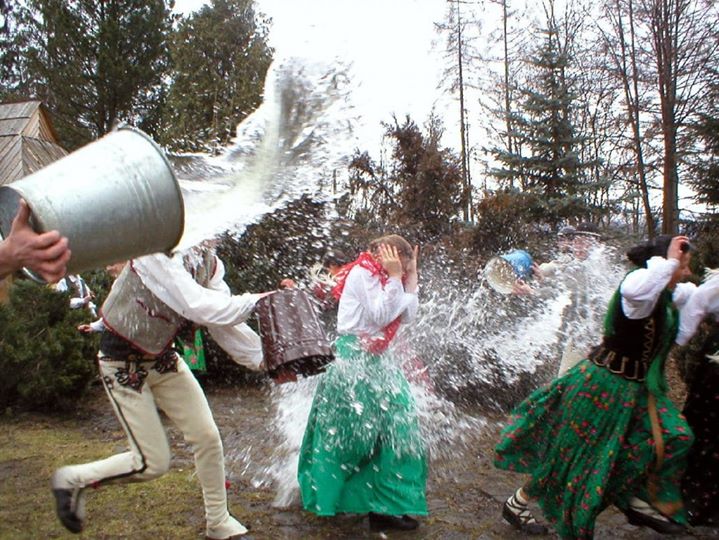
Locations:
(180, 397)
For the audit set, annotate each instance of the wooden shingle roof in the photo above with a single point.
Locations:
(28, 141)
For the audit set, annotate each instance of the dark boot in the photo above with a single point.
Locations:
(383, 522)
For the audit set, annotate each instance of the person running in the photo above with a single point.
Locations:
(605, 432)
(141, 373)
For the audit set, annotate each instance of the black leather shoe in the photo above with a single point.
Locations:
(69, 501)
(383, 522)
(523, 522)
(66, 502)
(641, 519)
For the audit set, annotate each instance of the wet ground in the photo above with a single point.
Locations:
(465, 493)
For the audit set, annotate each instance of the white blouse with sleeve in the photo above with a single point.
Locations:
(642, 288)
(703, 301)
(366, 307)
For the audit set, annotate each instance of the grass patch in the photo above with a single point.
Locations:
(30, 450)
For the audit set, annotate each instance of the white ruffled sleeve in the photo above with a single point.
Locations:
(641, 288)
(703, 301)
(168, 279)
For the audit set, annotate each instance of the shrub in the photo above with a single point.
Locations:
(504, 220)
(46, 363)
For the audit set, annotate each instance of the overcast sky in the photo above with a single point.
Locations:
(395, 51)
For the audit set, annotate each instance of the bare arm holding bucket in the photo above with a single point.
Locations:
(46, 253)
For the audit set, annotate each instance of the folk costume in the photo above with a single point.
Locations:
(605, 432)
(362, 450)
(79, 292)
(701, 480)
(141, 372)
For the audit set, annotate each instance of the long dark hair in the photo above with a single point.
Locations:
(641, 253)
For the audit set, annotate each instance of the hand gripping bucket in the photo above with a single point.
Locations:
(293, 340)
(114, 199)
(502, 271)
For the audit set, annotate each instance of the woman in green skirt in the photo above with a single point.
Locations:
(606, 433)
(362, 451)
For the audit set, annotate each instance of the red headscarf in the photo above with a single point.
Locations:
(373, 345)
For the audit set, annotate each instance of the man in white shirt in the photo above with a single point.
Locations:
(147, 305)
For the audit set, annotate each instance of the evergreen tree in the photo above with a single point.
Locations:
(46, 363)
(220, 57)
(705, 180)
(420, 188)
(544, 127)
(94, 62)
(8, 47)
(428, 177)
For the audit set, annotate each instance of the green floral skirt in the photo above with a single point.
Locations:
(586, 440)
(362, 450)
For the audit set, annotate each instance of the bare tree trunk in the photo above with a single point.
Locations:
(630, 85)
(507, 115)
(665, 16)
(466, 191)
(633, 106)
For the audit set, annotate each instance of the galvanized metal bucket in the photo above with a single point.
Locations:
(114, 199)
(502, 271)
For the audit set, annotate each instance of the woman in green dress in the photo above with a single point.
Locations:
(605, 432)
(362, 451)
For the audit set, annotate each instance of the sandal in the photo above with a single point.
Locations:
(519, 516)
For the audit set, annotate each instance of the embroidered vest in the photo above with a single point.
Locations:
(139, 318)
(633, 344)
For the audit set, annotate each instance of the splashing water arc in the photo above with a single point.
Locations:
(300, 134)
(483, 351)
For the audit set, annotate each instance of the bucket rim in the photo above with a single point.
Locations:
(158, 148)
(489, 275)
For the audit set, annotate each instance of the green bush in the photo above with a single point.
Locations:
(46, 363)
(507, 220)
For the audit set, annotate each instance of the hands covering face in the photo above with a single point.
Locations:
(394, 263)
(390, 260)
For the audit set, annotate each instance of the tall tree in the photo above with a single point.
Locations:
(705, 163)
(460, 54)
(544, 125)
(220, 57)
(420, 186)
(95, 62)
(499, 97)
(8, 46)
(683, 40)
(621, 50)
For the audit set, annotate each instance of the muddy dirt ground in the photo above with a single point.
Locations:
(465, 493)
